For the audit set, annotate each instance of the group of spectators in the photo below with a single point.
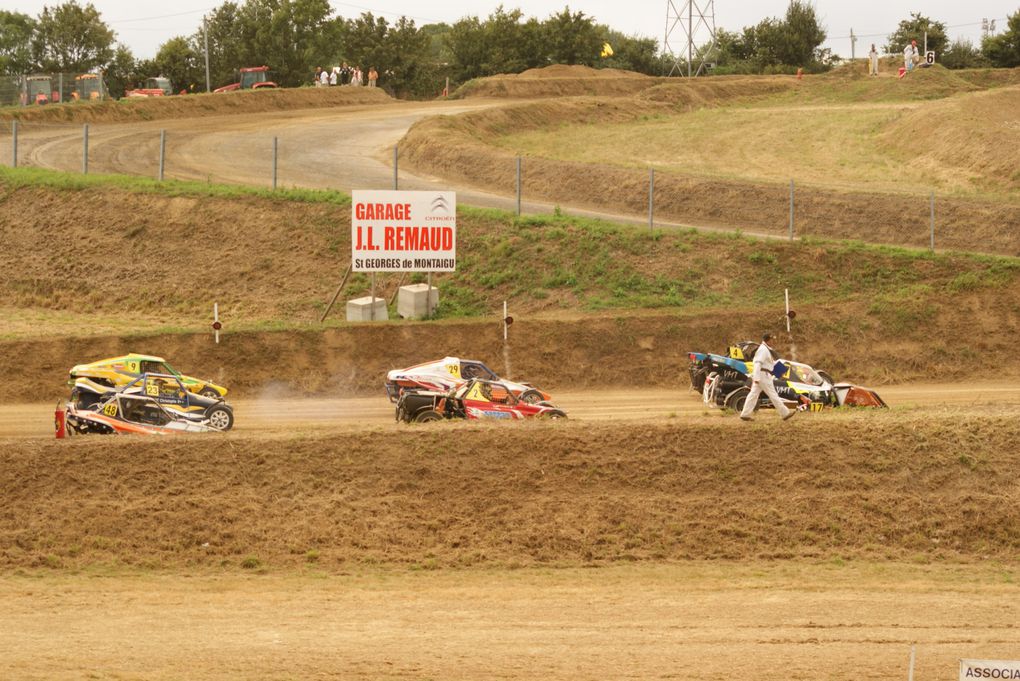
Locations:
(344, 75)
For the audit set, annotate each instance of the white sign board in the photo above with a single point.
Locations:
(929, 57)
(398, 231)
(989, 669)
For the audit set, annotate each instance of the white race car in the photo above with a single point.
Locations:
(450, 373)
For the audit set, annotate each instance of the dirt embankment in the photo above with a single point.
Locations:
(642, 350)
(558, 80)
(199, 105)
(866, 485)
(461, 148)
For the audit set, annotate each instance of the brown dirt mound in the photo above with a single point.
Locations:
(558, 80)
(200, 105)
(976, 133)
(850, 341)
(872, 485)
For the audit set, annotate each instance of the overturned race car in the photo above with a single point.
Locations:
(725, 381)
(450, 373)
(167, 390)
(120, 414)
(474, 399)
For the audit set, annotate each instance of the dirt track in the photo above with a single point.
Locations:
(282, 415)
(688, 621)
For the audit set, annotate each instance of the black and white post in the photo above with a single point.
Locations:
(651, 199)
(275, 157)
(216, 322)
(518, 186)
(791, 209)
(14, 144)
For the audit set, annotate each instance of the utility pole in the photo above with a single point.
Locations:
(853, 46)
(205, 33)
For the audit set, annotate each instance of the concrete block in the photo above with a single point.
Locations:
(360, 309)
(416, 301)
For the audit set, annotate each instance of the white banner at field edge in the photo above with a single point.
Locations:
(403, 231)
(999, 670)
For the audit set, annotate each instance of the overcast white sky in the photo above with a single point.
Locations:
(143, 25)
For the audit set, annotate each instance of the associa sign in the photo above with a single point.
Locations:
(403, 231)
(990, 669)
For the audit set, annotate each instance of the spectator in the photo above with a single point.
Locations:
(324, 78)
(356, 76)
(873, 61)
(762, 381)
(345, 74)
(910, 56)
(333, 75)
(318, 75)
(373, 76)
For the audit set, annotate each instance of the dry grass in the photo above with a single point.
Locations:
(867, 485)
(964, 146)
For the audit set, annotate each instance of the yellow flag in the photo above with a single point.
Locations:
(607, 50)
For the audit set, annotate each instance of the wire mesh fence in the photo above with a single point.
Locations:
(39, 89)
(785, 208)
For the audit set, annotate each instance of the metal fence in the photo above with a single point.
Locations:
(783, 209)
(39, 89)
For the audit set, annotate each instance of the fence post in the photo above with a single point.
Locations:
(518, 186)
(932, 201)
(162, 153)
(395, 151)
(85, 150)
(651, 199)
(14, 144)
(275, 156)
(791, 210)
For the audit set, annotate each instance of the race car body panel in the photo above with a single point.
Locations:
(118, 371)
(120, 414)
(450, 373)
(476, 399)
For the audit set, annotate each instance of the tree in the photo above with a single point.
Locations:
(178, 60)
(632, 53)
(1004, 50)
(16, 31)
(72, 38)
(963, 55)
(572, 38)
(800, 35)
(915, 28)
(120, 72)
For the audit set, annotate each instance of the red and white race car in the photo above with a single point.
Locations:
(449, 373)
(476, 399)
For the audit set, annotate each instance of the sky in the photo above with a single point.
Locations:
(143, 25)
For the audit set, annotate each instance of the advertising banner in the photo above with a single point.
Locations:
(989, 669)
(403, 231)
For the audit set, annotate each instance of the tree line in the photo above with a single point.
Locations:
(292, 37)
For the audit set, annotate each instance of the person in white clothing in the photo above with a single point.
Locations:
(761, 382)
(910, 55)
(873, 61)
(324, 78)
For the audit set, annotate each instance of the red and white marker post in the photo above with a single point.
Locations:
(216, 325)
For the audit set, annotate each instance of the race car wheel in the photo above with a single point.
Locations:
(208, 392)
(530, 397)
(427, 415)
(220, 418)
(826, 377)
(555, 414)
(736, 399)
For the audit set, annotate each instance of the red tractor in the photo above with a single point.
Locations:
(252, 78)
(38, 90)
(154, 87)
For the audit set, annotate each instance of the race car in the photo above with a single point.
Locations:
(118, 371)
(451, 372)
(119, 413)
(475, 399)
(725, 381)
(167, 390)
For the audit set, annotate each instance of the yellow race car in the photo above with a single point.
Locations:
(119, 371)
